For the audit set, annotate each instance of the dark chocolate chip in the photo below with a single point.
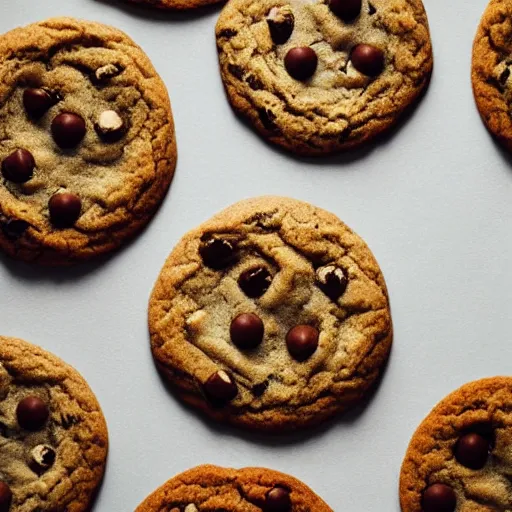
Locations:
(32, 413)
(371, 9)
(68, 130)
(280, 24)
(332, 281)
(278, 500)
(504, 75)
(42, 458)
(64, 209)
(236, 71)
(472, 450)
(302, 341)
(14, 229)
(38, 101)
(260, 388)
(217, 253)
(255, 282)
(301, 62)
(247, 331)
(254, 83)
(367, 59)
(5, 497)
(267, 118)
(439, 498)
(18, 167)
(347, 10)
(220, 388)
(227, 32)
(110, 126)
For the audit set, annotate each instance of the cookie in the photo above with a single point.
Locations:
(87, 146)
(211, 488)
(490, 70)
(53, 437)
(174, 4)
(460, 458)
(321, 76)
(272, 315)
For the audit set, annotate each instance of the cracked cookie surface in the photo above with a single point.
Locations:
(211, 488)
(53, 437)
(460, 457)
(490, 72)
(315, 82)
(271, 315)
(87, 141)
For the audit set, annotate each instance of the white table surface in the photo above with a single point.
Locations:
(433, 201)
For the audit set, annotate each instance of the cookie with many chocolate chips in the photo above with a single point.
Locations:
(87, 146)
(208, 488)
(460, 458)
(491, 66)
(53, 437)
(324, 75)
(272, 315)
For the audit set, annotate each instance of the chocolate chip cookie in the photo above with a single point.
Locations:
(324, 75)
(87, 146)
(272, 315)
(53, 437)
(211, 488)
(491, 66)
(460, 458)
(174, 4)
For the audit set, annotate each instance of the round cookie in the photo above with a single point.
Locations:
(208, 488)
(53, 437)
(175, 4)
(321, 76)
(460, 457)
(87, 146)
(272, 315)
(490, 70)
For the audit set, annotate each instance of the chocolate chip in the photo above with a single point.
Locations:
(280, 24)
(228, 33)
(332, 281)
(301, 62)
(38, 101)
(267, 118)
(278, 500)
(438, 498)
(110, 127)
(255, 282)
(504, 75)
(254, 83)
(367, 59)
(220, 388)
(107, 72)
(302, 341)
(5, 497)
(236, 71)
(371, 9)
(42, 458)
(14, 228)
(260, 388)
(217, 253)
(247, 331)
(64, 209)
(347, 10)
(472, 450)
(32, 413)
(18, 167)
(68, 130)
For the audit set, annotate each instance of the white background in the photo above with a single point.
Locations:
(433, 201)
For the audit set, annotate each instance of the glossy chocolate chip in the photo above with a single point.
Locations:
(347, 10)
(278, 500)
(368, 59)
(68, 130)
(255, 282)
(5, 497)
(110, 127)
(220, 388)
(302, 341)
(438, 498)
(38, 101)
(42, 458)
(247, 331)
(301, 62)
(280, 24)
(32, 413)
(472, 451)
(332, 281)
(14, 228)
(64, 209)
(217, 253)
(18, 167)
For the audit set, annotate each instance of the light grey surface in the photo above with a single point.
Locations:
(433, 201)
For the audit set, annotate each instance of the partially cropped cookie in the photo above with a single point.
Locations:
(323, 75)
(208, 488)
(174, 4)
(87, 146)
(271, 315)
(491, 66)
(460, 458)
(53, 437)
